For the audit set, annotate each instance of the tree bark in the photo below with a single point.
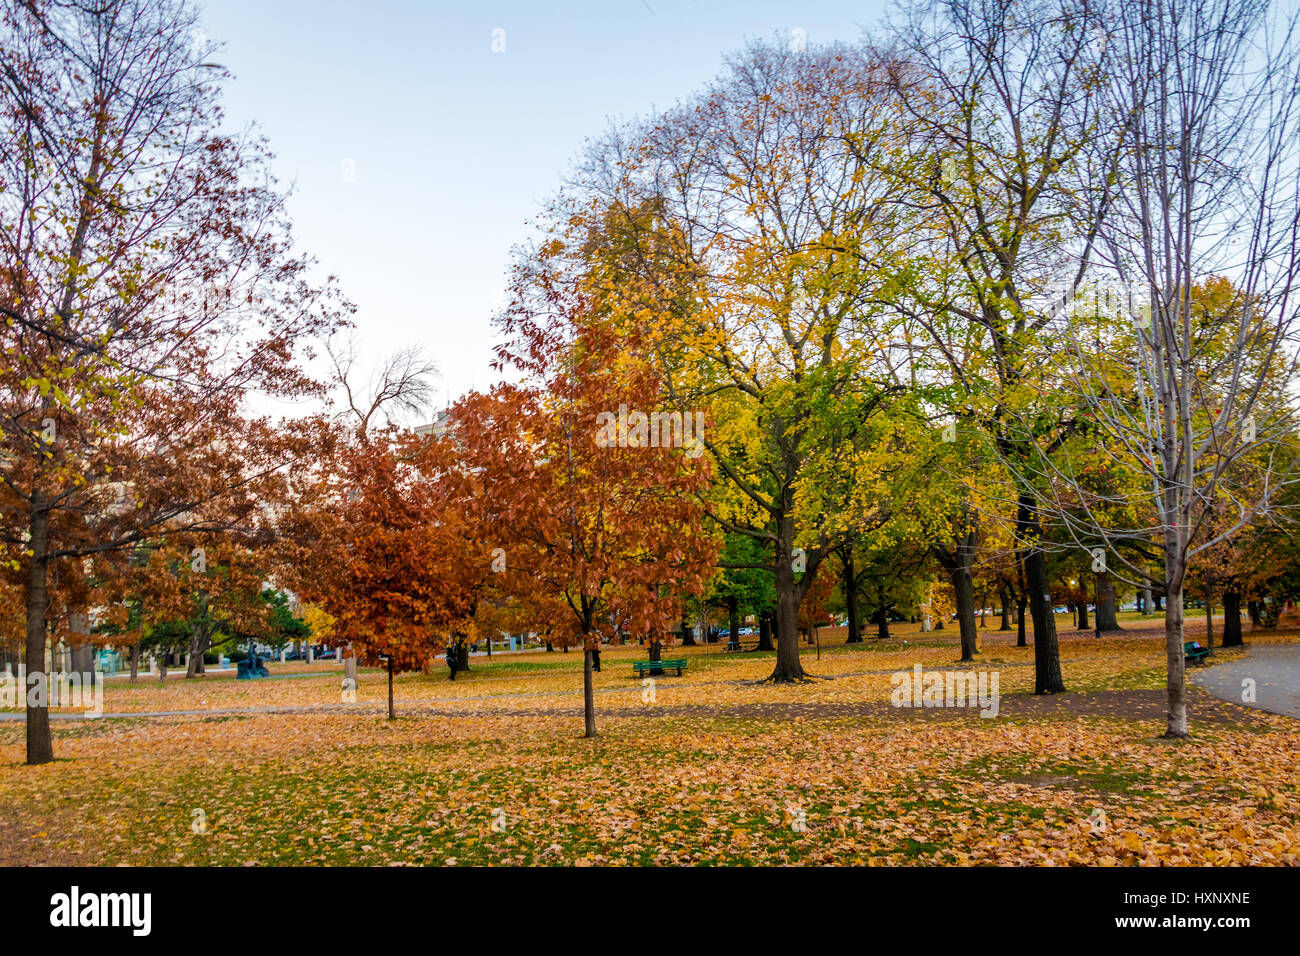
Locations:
(1047, 658)
(656, 654)
(882, 624)
(1232, 617)
(765, 632)
(588, 696)
(961, 583)
(1004, 598)
(688, 635)
(135, 662)
(733, 621)
(1176, 662)
(1252, 608)
(40, 747)
(788, 594)
(1107, 616)
(851, 600)
(197, 648)
(1083, 614)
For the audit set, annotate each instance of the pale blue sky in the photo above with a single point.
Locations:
(453, 147)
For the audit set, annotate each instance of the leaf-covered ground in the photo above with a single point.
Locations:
(715, 769)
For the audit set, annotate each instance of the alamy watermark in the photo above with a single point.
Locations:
(946, 689)
(634, 429)
(74, 690)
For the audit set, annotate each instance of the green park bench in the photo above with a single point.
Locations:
(640, 667)
(1194, 652)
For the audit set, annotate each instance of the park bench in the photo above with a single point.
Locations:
(741, 646)
(640, 667)
(1195, 652)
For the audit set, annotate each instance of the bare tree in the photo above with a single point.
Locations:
(1182, 358)
(402, 384)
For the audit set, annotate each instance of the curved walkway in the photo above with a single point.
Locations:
(1275, 670)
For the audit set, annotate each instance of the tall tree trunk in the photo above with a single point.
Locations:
(1083, 613)
(1232, 616)
(1047, 657)
(1022, 603)
(1252, 608)
(851, 599)
(961, 583)
(765, 632)
(1146, 602)
(733, 621)
(788, 663)
(1176, 663)
(688, 635)
(1107, 616)
(135, 662)
(1004, 598)
(788, 593)
(40, 747)
(588, 696)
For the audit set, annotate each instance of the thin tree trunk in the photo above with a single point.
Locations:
(733, 621)
(40, 747)
(588, 697)
(1176, 661)
(1004, 597)
(135, 662)
(392, 713)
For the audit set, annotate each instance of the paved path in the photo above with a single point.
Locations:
(1275, 669)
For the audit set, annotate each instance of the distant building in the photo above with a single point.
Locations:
(438, 427)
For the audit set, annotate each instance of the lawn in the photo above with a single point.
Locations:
(713, 767)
